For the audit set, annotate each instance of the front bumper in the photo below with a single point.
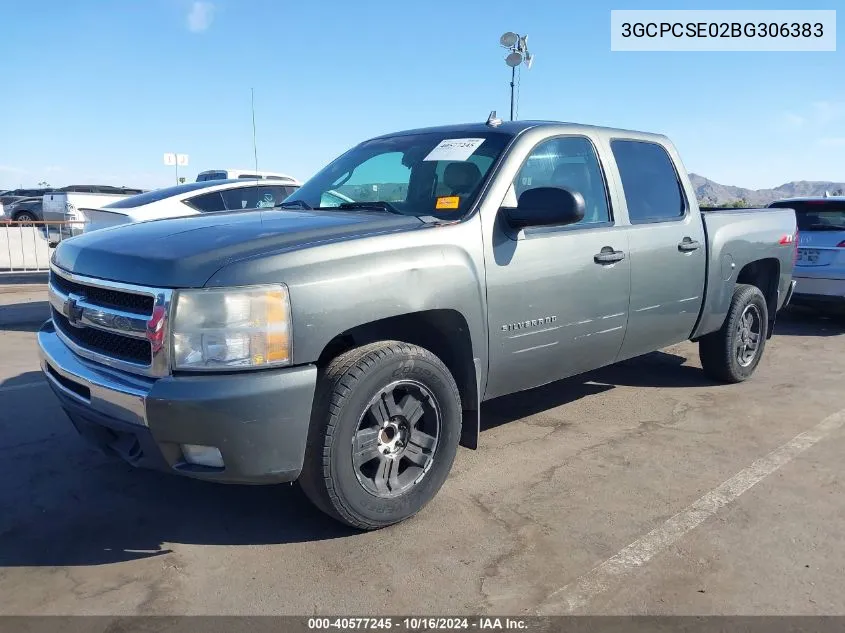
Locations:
(258, 420)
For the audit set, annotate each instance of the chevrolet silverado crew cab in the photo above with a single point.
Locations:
(347, 338)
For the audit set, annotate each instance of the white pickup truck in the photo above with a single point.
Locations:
(63, 205)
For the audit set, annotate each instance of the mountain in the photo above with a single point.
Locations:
(713, 194)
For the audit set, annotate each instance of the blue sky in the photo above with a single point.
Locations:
(98, 90)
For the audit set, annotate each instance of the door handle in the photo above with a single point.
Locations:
(608, 256)
(688, 245)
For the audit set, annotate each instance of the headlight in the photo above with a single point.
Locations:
(232, 328)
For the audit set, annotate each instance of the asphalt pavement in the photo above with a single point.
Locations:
(642, 488)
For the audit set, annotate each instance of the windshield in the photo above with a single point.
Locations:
(427, 174)
(818, 215)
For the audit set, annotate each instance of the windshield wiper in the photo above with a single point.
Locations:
(379, 205)
(294, 204)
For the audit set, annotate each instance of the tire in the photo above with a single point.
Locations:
(24, 216)
(397, 408)
(732, 353)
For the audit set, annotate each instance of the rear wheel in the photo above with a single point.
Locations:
(24, 217)
(383, 434)
(732, 353)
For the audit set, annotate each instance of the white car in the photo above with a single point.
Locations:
(190, 199)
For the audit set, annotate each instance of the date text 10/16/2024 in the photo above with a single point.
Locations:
(417, 623)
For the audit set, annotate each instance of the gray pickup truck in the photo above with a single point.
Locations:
(348, 338)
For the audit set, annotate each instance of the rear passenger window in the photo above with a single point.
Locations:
(207, 203)
(652, 190)
(569, 162)
(242, 198)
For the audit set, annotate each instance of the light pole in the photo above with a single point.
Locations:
(518, 47)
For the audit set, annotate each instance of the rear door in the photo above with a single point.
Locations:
(667, 244)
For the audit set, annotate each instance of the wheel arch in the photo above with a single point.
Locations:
(443, 332)
(29, 212)
(765, 275)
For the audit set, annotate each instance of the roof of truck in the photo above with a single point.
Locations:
(513, 128)
(809, 199)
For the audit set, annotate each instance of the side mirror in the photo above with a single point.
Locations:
(546, 206)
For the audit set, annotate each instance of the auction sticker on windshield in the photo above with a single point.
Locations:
(454, 149)
(447, 202)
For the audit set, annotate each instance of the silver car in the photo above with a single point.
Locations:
(820, 267)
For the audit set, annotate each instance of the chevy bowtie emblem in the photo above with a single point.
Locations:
(72, 310)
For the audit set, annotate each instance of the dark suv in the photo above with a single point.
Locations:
(12, 195)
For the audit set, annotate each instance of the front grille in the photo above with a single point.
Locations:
(139, 304)
(121, 325)
(124, 348)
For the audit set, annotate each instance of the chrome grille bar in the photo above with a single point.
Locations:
(107, 319)
(78, 318)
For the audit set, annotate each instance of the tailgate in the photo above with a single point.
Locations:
(821, 238)
(821, 252)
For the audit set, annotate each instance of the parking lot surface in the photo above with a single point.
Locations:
(640, 488)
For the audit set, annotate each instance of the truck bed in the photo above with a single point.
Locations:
(736, 237)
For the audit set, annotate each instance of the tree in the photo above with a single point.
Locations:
(43, 183)
(707, 201)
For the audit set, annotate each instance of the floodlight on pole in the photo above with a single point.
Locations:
(508, 39)
(518, 46)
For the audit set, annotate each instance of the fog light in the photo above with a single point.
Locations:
(202, 455)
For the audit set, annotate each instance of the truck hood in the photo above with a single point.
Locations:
(185, 252)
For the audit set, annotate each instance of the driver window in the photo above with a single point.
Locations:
(381, 178)
(568, 162)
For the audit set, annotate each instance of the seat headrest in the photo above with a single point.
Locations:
(575, 176)
(461, 177)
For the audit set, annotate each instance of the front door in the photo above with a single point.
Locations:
(668, 249)
(557, 296)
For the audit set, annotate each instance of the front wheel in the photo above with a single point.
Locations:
(383, 434)
(732, 353)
